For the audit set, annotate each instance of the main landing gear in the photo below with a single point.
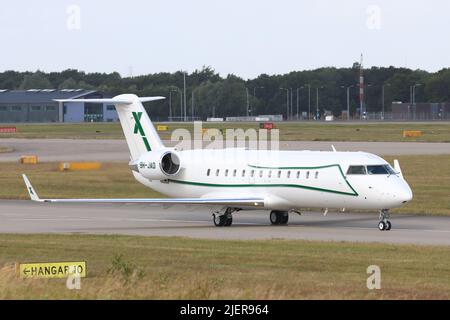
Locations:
(384, 224)
(279, 217)
(223, 219)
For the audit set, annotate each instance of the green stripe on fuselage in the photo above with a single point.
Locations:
(202, 184)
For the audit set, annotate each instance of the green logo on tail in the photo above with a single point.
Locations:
(138, 129)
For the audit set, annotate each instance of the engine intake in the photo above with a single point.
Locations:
(170, 163)
(156, 165)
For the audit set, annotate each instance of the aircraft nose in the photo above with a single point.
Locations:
(405, 194)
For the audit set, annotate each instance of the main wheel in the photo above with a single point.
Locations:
(274, 217)
(279, 217)
(381, 226)
(388, 225)
(284, 217)
(219, 220)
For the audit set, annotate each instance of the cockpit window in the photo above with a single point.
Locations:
(390, 170)
(356, 170)
(381, 169)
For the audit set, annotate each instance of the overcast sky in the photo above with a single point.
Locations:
(244, 37)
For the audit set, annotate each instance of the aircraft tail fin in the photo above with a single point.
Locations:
(139, 131)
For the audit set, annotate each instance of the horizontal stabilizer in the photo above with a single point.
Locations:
(112, 100)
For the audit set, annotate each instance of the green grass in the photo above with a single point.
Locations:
(289, 131)
(428, 176)
(125, 267)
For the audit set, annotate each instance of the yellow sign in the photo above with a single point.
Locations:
(412, 133)
(162, 128)
(79, 166)
(29, 159)
(52, 269)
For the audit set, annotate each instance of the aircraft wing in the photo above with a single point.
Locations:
(244, 202)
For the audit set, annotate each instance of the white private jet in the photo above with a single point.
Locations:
(230, 180)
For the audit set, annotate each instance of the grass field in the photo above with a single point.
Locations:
(290, 131)
(429, 177)
(122, 267)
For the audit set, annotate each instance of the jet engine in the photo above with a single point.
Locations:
(157, 165)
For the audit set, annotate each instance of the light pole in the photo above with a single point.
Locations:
(414, 98)
(184, 89)
(348, 100)
(248, 102)
(298, 100)
(254, 94)
(170, 103)
(317, 102)
(192, 104)
(414, 92)
(309, 100)
(291, 111)
(287, 102)
(364, 111)
(176, 89)
(382, 98)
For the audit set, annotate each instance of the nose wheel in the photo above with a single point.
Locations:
(223, 218)
(384, 224)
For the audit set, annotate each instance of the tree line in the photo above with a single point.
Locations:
(227, 96)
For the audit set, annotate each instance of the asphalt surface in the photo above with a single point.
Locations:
(49, 150)
(194, 222)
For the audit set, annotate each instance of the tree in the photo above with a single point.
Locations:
(68, 84)
(36, 81)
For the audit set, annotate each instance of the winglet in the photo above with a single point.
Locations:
(33, 195)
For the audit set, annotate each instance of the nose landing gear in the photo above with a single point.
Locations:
(384, 224)
(223, 218)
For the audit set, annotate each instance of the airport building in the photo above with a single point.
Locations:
(38, 105)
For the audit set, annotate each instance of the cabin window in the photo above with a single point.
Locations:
(316, 175)
(356, 170)
(234, 172)
(226, 173)
(307, 174)
(298, 174)
(217, 172)
(288, 174)
(270, 174)
(252, 173)
(208, 172)
(260, 173)
(279, 174)
(243, 173)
